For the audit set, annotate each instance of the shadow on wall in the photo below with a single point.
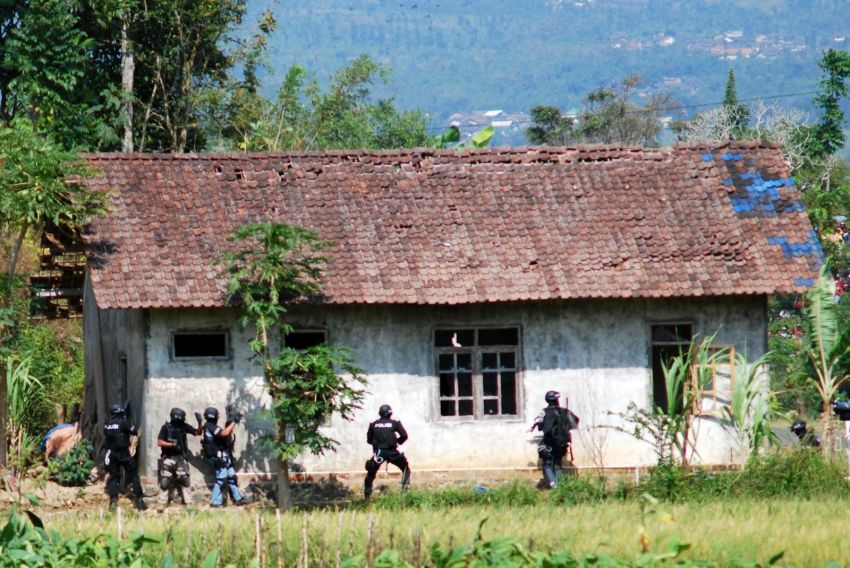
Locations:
(256, 429)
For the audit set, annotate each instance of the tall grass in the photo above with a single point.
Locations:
(722, 531)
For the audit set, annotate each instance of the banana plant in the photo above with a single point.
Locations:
(827, 347)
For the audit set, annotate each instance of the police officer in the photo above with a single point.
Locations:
(218, 449)
(173, 469)
(800, 429)
(555, 423)
(385, 435)
(118, 431)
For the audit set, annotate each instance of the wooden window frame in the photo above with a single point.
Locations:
(477, 371)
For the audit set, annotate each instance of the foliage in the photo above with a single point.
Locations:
(304, 117)
(827, 347)
(37, 187)
(804, 473)
(749, 410)
(739, 114)
(575, 489)
(272, 266)
(608, 117)
(22, 389)
(550, 127)
(180, 48)
(309, 387)
(55, 353)
(73, 469)
(670, 429)
(829, 133)
(22, 544)
(512, 494)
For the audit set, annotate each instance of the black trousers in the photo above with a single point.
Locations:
(394, 457)
(553, 460)
(119, 459)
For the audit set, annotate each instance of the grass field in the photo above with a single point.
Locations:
(809, 532)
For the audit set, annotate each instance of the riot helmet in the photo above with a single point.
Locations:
(211, 414)
(385, 411)
(178, 415)
(117, 410)
(552, 397)
(799, 427)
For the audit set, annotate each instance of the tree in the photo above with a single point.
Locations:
(550, 127)
(50, 73)
(274, 266)
(179, 50)
(608, 117)
(39, 185)
(738, 114)
(828, 134)
(303, 117)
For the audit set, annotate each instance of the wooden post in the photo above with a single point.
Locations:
(120, 523)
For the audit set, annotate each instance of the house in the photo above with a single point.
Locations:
(466, 284)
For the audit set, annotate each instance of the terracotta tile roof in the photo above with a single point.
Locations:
(441, 227)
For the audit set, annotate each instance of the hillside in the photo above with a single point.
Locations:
(463, 55)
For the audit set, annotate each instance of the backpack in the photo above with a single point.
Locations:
(559, 435)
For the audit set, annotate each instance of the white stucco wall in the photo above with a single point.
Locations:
(597, 353)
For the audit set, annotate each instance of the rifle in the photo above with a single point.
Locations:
(233, 415)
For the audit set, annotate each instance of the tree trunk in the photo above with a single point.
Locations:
(128, 67)
(284, 491)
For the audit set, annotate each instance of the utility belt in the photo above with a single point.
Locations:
(222, 459)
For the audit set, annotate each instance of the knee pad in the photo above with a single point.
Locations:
(165, 483)
(184, 481)
(372, 466)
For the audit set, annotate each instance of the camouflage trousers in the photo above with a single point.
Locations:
(174, 480)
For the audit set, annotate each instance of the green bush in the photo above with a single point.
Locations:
(803, 473)
(73, 468)
(513, 494)
(575, 490)
(25, 544)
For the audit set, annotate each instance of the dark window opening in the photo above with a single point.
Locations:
(477, 370)
(305, 339)
(200, 345)
(669, 340)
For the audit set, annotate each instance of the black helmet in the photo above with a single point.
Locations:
(798, 427)
(117, 410)
(552, 396)
(211, 414)
(178, 415)
(385, 411)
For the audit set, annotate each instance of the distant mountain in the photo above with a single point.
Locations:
(461, 56)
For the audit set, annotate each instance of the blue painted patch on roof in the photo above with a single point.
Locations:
(811, 247)
(804, 282)
(761, 197)
(733, 156)
(707, 157)
(794, 206)
(727, 182)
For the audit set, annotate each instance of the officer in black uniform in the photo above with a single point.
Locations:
(385, 435)
(173, 469)
(118, 431)
(801, 430)
(555, 423)
(218, 449)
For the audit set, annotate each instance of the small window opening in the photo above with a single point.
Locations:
(305, 339)
(200, 345)
(669, 340)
